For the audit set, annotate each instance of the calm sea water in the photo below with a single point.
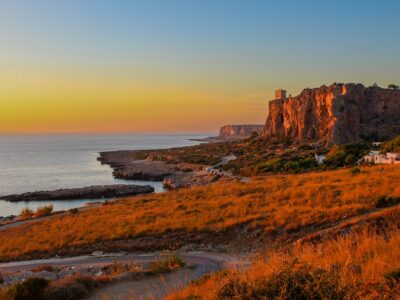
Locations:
(47, 162)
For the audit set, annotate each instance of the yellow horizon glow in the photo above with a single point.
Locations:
(73, 101)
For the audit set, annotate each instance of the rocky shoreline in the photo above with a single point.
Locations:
(126, 165)
(134, 164)
(90, 192)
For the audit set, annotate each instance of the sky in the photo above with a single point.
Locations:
(181, 65)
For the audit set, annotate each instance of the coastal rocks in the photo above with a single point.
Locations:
(143, 170)
(126, 166)
(91, 192)
(180, 181)
(239, 131)
(337, 114)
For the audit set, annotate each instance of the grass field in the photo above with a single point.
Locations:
(362, 265)
(277, 203)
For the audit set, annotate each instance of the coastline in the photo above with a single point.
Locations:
(91, 192)
(35, 163)
(138, 166)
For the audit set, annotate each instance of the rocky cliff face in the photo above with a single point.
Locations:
(239, 131)
(336, 114)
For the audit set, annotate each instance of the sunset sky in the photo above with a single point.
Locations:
(181, 65)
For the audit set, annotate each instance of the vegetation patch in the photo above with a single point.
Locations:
(293, 282)
(387, 201)
(43, 211)
(362, 265)
(32, 288)
(392, 145)
(167, 264)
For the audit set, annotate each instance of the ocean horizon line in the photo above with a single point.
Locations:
(177, 133)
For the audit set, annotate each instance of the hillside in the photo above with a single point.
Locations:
(236, 216)
(363, 264)
(254, 156)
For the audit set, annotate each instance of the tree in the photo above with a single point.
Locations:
(393, 86)
(392, 145)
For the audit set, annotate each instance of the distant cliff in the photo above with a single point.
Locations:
(239, 131)
(340, 113)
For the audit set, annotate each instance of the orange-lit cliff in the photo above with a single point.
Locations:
(340, 113)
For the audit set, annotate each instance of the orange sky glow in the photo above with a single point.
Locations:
(52, 101)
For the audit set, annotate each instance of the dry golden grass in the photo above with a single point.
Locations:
(279, 202)
(363, 265)
(43, 211)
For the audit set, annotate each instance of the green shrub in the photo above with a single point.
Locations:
(336, 157)
(355, 170)
(392, 145)
(351, 159)
(341, 155)
(272, 165)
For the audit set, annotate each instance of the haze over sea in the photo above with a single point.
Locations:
(47, 162)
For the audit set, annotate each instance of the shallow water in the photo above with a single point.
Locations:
(47, 162)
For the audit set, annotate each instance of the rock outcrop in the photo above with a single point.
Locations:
(340, 113)
(90, 192)
(239, 131)
(125, 165)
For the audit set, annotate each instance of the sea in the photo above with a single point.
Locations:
(47, 162)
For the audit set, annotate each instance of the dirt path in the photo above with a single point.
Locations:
(159, 286)
(154, 287)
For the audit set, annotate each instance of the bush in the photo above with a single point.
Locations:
(26, 213)
(73, 211)
(71, 288)
(43, 211)
(303, 282)
(272, 165)
(386, 201)
(341, 155)
(393, 278)
(392, 145)
(32, 288)
(350, 159)
(168, 264)
(336, 156)
(306, 163)
(355, 170)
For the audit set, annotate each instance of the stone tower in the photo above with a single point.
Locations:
(280, 94)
